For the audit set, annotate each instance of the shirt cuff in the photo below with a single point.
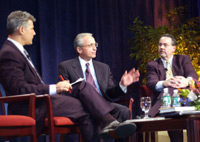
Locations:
(159, 86)
(190, 80)
(52, 89)
(124, 88)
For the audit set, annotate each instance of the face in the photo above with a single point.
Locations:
(28, 33)
(165, 48)
(88, 49)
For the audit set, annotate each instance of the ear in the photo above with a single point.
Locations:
(21, 29)
(79, 50)
(174, 48)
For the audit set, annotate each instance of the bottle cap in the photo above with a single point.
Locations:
(175, 91)
(165, 90)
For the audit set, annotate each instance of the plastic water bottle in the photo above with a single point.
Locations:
(176, 99)
(166, 99)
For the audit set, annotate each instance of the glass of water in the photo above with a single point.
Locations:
(145, 104)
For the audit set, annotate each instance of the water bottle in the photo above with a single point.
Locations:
(166, 99)
(176, 99)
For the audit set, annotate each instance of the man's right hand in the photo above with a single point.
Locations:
(63, 86)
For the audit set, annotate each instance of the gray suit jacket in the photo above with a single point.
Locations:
(181, 66)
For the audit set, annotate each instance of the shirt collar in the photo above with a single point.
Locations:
(165, 62)
(83, 62)
(18, 45)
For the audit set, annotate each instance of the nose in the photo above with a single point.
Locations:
(161, 46)
(95, 48)
(34, 33)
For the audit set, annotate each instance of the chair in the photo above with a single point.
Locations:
(145, 91)
(57, 125)
(129, 103)
(18, 125)
(63, 125)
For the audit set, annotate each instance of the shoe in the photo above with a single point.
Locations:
(125, 129)
(110, 127)
(118, 130)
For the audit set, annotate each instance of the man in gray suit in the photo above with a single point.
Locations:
(181, 72)
(102, 81)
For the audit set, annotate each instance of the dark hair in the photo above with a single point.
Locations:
(170, 36)
(17, 19)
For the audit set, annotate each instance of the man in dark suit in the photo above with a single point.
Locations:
(19, 76)
(102, 81)
(180, 76)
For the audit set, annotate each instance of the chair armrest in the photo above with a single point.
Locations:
(130, 106)
(47, 100)
(128, 103)
(17, 98)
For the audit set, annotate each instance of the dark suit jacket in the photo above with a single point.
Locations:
(19, 77)
(16, 74)
(181, 66)
(71, 70)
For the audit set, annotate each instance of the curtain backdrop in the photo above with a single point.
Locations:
(59, 21)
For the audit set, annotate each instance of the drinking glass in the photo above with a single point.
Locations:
(145, 104)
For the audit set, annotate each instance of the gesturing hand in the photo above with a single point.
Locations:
(129, 77)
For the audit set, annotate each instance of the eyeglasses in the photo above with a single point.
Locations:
(91, 45)
(164, 44)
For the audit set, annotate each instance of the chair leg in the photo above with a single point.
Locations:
(79, 137)
(62, 137)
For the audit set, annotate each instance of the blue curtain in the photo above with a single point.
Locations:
(59, 21)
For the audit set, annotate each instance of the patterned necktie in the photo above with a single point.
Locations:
(27, 55)
(89, 77)
(169, 73)
(29, 58)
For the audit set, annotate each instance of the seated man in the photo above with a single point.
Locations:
(169, 71)
(99, 78)
(19, 76)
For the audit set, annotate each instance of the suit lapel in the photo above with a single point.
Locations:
(161, 70)
(97, 72)
(19, 52)
(175, 68)
(77, 68)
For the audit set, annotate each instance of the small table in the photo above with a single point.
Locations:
(190, 122)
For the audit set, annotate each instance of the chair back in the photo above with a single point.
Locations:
(3, 108)
(145, 91)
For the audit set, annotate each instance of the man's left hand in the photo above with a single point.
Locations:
(180, 82)
(130, 77)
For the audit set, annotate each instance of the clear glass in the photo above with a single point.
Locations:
(145, 104)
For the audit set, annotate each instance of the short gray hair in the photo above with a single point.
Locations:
(17, 19)
(78, 41)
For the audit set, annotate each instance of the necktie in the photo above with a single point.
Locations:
(89, 77)
(29, 58)
(169, 73)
